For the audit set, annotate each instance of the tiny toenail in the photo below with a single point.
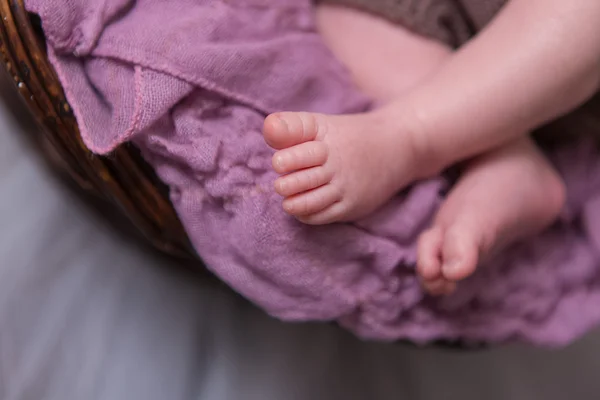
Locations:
(282, 123)
(452, 266)
(278, 161)
(281, 185)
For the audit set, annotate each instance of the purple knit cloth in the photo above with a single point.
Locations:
(190, 82)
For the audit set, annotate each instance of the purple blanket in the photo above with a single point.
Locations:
(190, 81)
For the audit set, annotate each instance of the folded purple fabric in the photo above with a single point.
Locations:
(190, 81)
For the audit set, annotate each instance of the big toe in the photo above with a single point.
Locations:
(460, 253)
(286, 129)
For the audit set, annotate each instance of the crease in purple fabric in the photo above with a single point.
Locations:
(190, 81)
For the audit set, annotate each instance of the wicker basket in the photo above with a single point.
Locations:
(123, 179)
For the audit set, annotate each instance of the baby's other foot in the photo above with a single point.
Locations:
(339, 168)
(504, 196)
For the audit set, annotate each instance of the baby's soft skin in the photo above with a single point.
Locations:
(537, 60)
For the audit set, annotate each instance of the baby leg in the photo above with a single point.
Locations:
(503, 196)
(385, 60)
(340, 168)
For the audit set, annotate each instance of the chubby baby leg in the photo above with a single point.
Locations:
(506, 195)
(385, 60)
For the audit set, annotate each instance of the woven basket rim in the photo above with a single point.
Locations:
(122, 178)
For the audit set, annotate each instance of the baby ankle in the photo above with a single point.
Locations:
(429, 158)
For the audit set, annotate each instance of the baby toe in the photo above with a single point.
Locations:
(429, 266)
(286, 129)
(330, 214)
(460, 254)
(305, 155)
(301, 181)
(311, 202)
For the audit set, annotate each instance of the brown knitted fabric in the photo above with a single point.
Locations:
(480, 12)
(450, 21)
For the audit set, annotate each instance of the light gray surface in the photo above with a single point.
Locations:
(87, 314)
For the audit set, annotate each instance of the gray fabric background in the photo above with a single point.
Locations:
(88, 313)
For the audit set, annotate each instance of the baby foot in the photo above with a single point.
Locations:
(339, 168)
(507, 195)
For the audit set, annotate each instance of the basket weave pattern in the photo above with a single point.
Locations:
(123, 178)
